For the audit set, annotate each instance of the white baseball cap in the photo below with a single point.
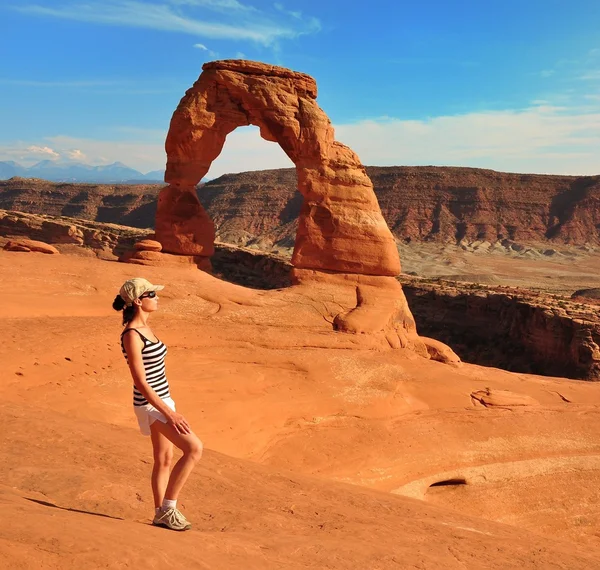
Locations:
(134, 288)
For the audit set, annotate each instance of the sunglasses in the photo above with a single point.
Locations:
(150, 295)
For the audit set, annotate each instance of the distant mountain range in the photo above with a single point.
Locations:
(115, 173)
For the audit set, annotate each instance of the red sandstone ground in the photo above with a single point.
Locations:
(291, 412)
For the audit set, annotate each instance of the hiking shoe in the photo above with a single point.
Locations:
(171, 519)
(182, 519)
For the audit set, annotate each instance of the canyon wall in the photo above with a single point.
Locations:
(126, 204)
(442, 204)
(516, 330)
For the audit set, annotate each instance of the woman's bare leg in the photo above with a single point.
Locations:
(191, 447)
(163, 455)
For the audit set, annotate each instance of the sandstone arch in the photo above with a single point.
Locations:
(340, 228)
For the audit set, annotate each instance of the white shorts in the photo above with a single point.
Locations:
(147, 414)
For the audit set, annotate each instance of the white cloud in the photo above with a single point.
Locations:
(204, 48)
(235, 21)
(281, 8)
(244, 150)
(590, 75)
(76, 155)
(215, 4)
(42, 152)
(539, 139)
(542, 139)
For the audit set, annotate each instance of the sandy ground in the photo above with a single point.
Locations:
(321, 446)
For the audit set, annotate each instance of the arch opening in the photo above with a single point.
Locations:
(264, 218)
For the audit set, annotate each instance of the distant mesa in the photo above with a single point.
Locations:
(476, 208)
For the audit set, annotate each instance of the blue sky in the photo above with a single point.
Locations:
(502, 84)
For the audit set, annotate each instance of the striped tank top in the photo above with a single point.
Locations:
(153, 356)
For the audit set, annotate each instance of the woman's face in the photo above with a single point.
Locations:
(149, 302)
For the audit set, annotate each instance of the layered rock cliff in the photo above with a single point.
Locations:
(440, 204)
(126, 204)
(419, 203)
(513, 329)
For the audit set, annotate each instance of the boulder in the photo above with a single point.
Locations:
(148, 245)
(30, 245)
(441, 352)
(586, 294)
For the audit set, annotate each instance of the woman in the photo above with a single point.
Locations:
(153, 405)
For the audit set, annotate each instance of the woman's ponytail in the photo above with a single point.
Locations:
(119, 304)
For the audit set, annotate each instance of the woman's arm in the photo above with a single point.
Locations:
(133, 346)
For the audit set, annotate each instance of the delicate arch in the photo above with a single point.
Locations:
(340, 227)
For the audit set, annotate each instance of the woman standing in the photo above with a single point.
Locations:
(152, 402)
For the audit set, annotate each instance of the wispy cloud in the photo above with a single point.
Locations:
(591, 75)
(235, 20)
(60, 84)
(542, 139)
(105, 87)
(585, 67)
(136, 153)
(76, 155)
(216, 4)
(42, 151)
(30, 154)
(204, 48)
(539, 139)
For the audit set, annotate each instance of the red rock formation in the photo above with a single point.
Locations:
(340, 226)
(125, 204)
(502, 399)
(521, 331)
(148, 245)
(28, 245)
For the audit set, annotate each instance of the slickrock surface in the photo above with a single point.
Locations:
(518, 329)
(340, 226)
(69, 235)
(290, 412)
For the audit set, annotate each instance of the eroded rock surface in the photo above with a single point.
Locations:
(28, 245)
(340, 227)
(514, 329)
(68, 234)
